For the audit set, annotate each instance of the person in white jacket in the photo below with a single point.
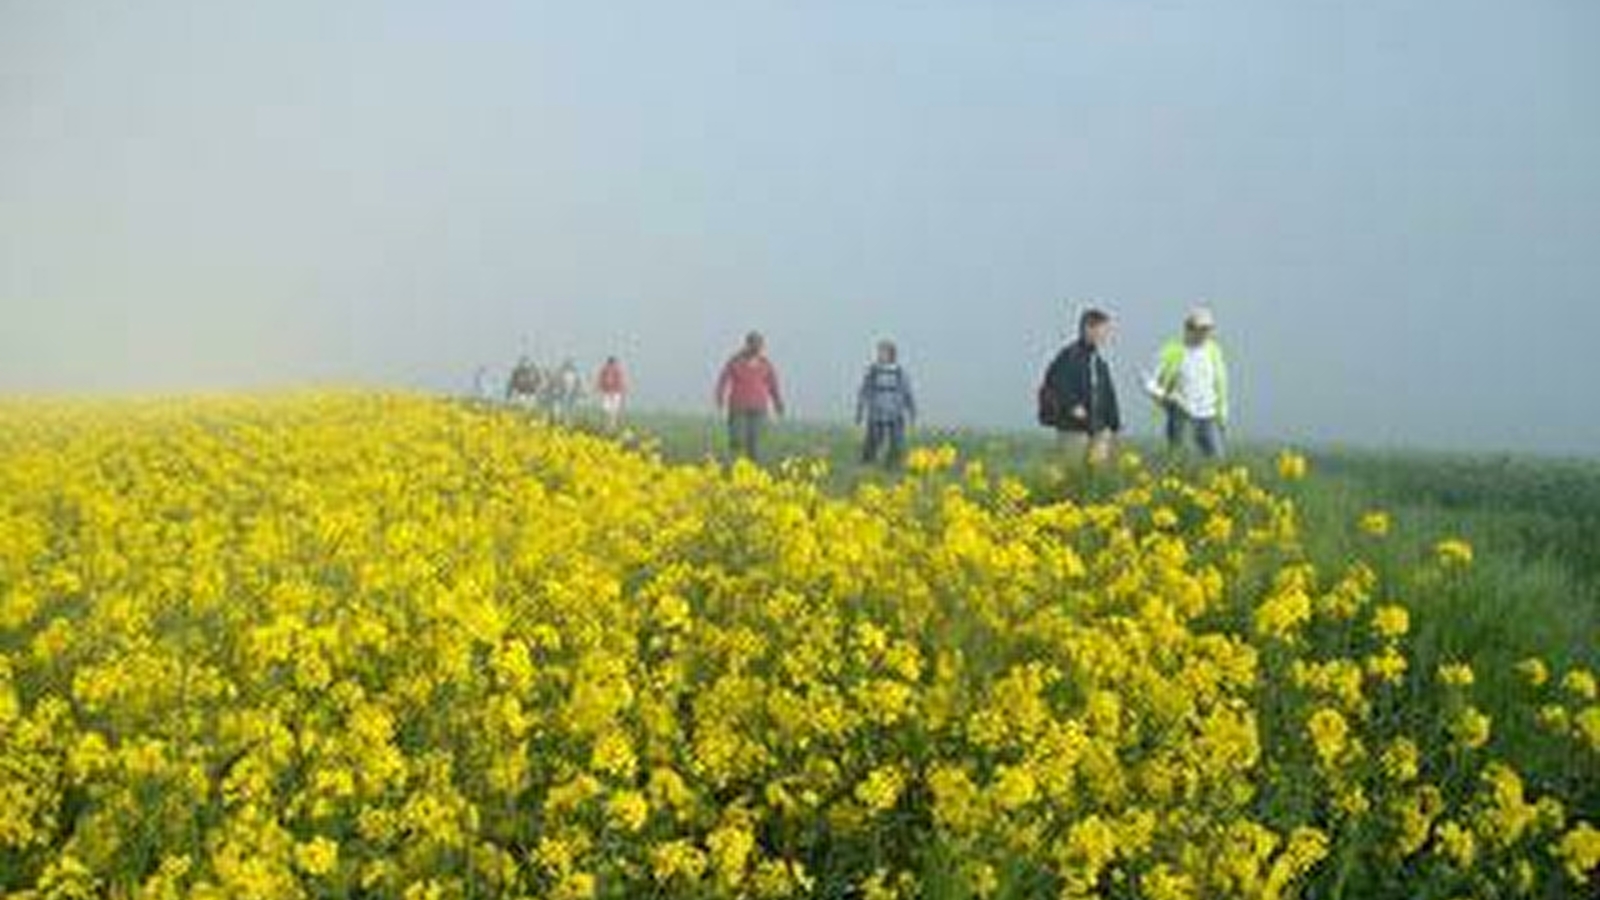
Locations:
(1190, 383)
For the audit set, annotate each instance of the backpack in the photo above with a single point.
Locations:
(885, 379)
(1052, 411)
(883, 394)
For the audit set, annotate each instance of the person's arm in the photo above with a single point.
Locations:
(910, 398)
(1155, 382)
(863, 395)
(1113, 408)
(724, 385)
(772, 389)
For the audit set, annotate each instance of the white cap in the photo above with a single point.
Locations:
(1201, 317)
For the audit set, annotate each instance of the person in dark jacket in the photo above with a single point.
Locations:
(886, 406)
(1079, 397)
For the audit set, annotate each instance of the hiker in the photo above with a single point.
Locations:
(747, 389)
(611, 384)
(1190, 384)
(524, 384)
(886, 406)
(567, 389)
(1079, 398)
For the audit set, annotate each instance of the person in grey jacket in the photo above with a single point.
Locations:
(886, 406)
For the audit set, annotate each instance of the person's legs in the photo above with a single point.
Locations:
(1208, 434)
(1074, 446)
(897, 443)
(612, 405)
(1099, 450)
(736, 435)
(752, 434)
(1177, 424)
(873, 442)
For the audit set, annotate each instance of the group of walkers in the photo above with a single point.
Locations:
(1077, 398)
(558, 391)
(747, 391)
(1188, 383)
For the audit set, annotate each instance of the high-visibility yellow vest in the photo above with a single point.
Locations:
(1172, 362)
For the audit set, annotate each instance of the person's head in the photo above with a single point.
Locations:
(887, 352)
(1094, 327)
(754, 343)
(1198, 326)
(611, 360)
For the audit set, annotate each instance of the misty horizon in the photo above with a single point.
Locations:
(1394, 212)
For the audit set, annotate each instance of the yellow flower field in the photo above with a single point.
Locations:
(339, 645)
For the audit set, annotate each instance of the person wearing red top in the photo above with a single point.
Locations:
(747, 389)
(612, 385)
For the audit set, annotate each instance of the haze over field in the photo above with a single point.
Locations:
(1394, 208)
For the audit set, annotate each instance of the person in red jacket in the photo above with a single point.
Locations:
(611, 385)
(747, 389)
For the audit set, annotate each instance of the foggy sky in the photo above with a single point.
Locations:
(1394, 208)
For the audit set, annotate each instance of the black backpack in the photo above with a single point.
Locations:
(1052, 411)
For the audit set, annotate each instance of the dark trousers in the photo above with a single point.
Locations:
(890, 435)
(744, 433)
(1208, 433)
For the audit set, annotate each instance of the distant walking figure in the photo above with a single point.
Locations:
(524, 384)
(886, 406)
(611, 384)
(566, 390)
(1190, 383)
(1079, 398)
(747, 389)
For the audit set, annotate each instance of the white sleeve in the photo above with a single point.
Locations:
(1152, 378)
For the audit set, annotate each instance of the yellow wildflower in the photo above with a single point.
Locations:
(1454, 553)
(1292, 466)
(1376, 523)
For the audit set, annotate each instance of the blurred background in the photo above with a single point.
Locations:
(1394, 209)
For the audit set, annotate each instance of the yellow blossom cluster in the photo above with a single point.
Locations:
(358, 644)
